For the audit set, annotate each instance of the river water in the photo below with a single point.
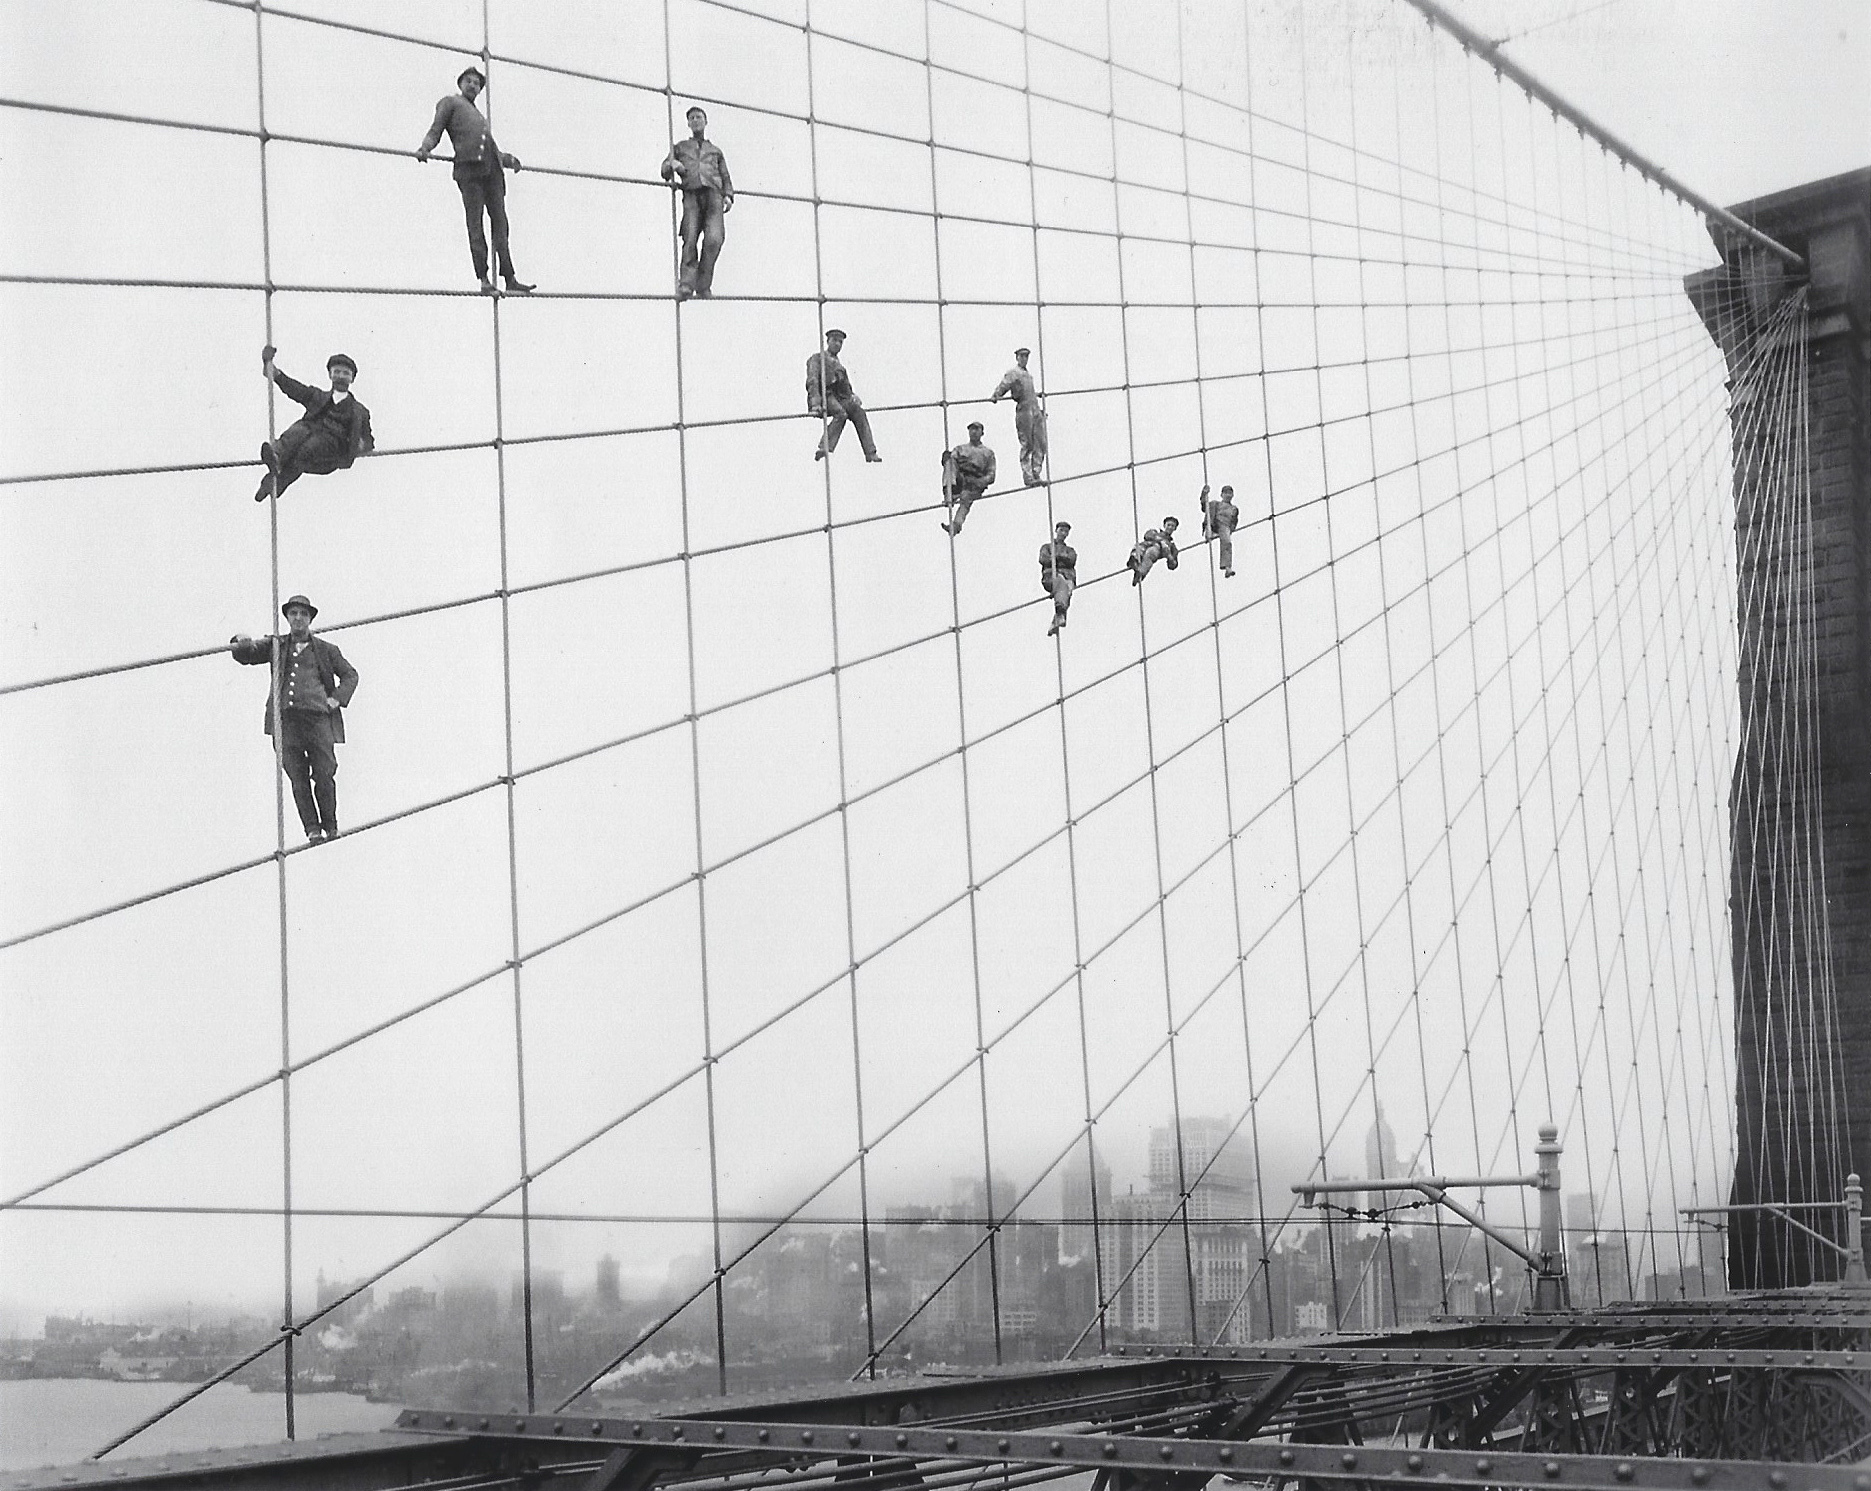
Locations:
(55, 1421)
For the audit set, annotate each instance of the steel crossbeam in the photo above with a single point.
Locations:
(1606, 1358)
(1149, 1457)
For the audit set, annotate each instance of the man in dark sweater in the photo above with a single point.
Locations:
(967, 471)
(1058, 574)
(333, 432)
(311, 685)
(829, 395)
(479, 173)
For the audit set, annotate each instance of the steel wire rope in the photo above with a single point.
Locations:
(711, 1054)
(565, 437)
(952, 525)
(1093, 1207)
(551, 944)
(509, 784)
(1149, 729)
(1448, 932)
(844, 791)
(276, 704)
(527, 1334)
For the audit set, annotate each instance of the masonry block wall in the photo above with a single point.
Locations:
(1802, 1050)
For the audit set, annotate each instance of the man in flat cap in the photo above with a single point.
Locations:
(1029, 419)
(311, 685)
(830, 397)
(1058, 574)
(1218, 520)
(1156, 543)
(967, 472)
(480, 173)
(697, 168)
(332, 433)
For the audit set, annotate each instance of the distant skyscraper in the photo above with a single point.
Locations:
(1380, 1159)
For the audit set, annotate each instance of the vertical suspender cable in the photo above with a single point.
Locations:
(1094, 1212)
(275, 680)
(838, 709)
(1149, 727)
(513, 845)
(695, 756)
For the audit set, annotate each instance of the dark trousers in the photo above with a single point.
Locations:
(704, 230)
(486, 191)
(309, 757)
(837, 412)
(304, 448)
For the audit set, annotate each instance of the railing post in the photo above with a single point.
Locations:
(1854, 1231)
(1549, 1284)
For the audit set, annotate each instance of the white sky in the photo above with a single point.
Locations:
(113, 788)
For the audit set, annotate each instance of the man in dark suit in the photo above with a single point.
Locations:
(333, 432)
(311, 685)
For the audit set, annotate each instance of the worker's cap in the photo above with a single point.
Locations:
(1227, 491)
(975, 424)
(297, 600)
(1171, 522)
(696, 109)
(833, 332)
(341, 360)
(1022, 351)
(1062, 526)
(470, 72)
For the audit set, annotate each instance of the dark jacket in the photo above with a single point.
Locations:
(338, 676)
(318, 401)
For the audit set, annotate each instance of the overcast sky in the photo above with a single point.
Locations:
(1481, 613)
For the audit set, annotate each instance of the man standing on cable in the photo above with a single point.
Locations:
(1218, 520)
(311, 685)
(967, 472)
(333, 432)
(1156, 543)
(697, 168)
(829, 396)
(1058, 574)
(479, 172)
(1029, 419)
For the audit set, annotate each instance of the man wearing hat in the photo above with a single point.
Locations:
(697, 168)
(1156, 543)
(311, 685)
(1218, 520)
(1029, 420)
(479, 173)
(333, 432)
(1058, 574)
(830, 397)
(967, 472)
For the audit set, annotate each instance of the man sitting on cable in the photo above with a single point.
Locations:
(333, 432)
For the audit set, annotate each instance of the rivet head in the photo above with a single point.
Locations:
(1700, 1475)
(1167, 1452)
(636, 1429)
(1483, 1465)
(1551, 1470)
(1624, 1470)
(1003, 1445)
(558, 1428)
(805, 1436)
(675, 1432)
(449, 1422)
(1414, 1462)
(903, 1441)
(1776, 1479)
(854, 1439)
(1053, 1446)
(950, 1442)
(720, 1433)
(1225, 1454)
(484, 1423)
(1286, 1457)
(1107, 1449)
(1348, 1460)
(763, 1435)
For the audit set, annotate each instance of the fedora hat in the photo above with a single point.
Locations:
(297, 600)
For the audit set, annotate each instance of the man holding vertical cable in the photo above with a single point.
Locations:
(1218, 521)
(480, 173)
(697, 168)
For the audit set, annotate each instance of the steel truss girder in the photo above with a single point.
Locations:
(1150, 1458)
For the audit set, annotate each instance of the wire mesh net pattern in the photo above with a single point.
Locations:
(736, 883)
